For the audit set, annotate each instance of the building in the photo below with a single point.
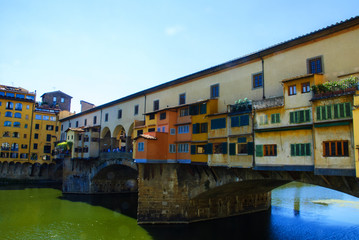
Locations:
(57, 99)
(265, 78)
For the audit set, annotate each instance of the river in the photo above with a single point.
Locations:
(299, 211)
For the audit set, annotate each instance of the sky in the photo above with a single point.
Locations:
(103, 50)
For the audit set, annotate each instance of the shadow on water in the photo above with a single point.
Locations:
(31, 184)
(124, 203)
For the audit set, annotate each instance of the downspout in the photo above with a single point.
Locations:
(99, 142)
(264, 96)
(144, 109)
(253, 136)
(31, 123)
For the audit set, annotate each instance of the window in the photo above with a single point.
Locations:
(16, 124)
(204, 127)
(136, 110)
(94, 119)
(47, 149)
(85, 122)
(300, 149)
(305, 87)
(184, 112)
(200, 149)
(183, 129)
(6, 134)
(5, 146)
(62, 100)
(199, 128)
(54, 99)
(139, 132)
(8, 114)
(215, 91)
(50, 127)
(17, 115)
(141, 147)
(7, 124)
(10, 94)
(163, 116)
(158, 129)
(220, 148)
(156, 105)
(24, 146)
(182, 99)
(46, 118)
(172, 148)
(38, 117)
(28, 107)
(315, 65)
(218, 123)
(151, 129)
(25, 135)
(26, 116)
(242, 148)
(266, 150)
(335, 149)
(238, 121)
(53, 119)
(342, 110)
(275, 118)
(9, 105)
(35, 145)
(292, 90)
(183, 148)
(36, 136)
(194, 109)
(28, 97)
(25, 125)
(257, 80)
(14, 155)
(163, 129)
(2, 93)
(300, 116)
(21, 96)
(33, 156)
(15, 135)
(48, 137)
(23, 155)
(37, 126)
(152, 116)
(18, 106)
(106, 117)
(76, 124)
(172, 131)
(119, 114)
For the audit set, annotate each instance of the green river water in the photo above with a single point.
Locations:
(299, 211)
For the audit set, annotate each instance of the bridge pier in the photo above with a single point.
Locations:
(177, 193)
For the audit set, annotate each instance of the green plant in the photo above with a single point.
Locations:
(335, 85)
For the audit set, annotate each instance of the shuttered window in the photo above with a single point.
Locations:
(300, 116)
(335, 149)
(218, 123)
(275, 118)
(300, 149)
(339, 110)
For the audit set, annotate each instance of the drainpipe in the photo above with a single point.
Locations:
(31, 123)
(253, 137)
(264, 96)
(99, 142)
(144, 116)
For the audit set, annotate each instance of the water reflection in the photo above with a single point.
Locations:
(298, 211)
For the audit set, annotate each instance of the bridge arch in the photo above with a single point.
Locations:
(106, 142)
(119, 135)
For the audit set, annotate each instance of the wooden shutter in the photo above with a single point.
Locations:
(336, 111)
(259, 150)
(329, 111)
(203, 108)
(224, 148)
(348, 109)
(291, 117)
(250, 147)
(244, 120)
(193, 149)
(208, 148)
(307, 149)
(235, 121)
(292, 149)
(232, 149)
(275, 150)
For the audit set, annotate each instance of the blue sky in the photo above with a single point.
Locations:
(99, 51)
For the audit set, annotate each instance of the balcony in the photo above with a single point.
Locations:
(346, 86)
(268, 103)
(240, 106)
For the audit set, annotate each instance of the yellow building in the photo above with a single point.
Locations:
(16, 109)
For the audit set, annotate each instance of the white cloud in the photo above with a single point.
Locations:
(174, 30)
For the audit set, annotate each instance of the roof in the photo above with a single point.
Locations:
(178, 106)
(145, 136)
(14, 89)
(59, 92)
(236, 62)
(298, 77)
(75, 129)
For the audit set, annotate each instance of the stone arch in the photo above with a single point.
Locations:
(106, 142)
(130, 136)
(114, 178)
(119, 138)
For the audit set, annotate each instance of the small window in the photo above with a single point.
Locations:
(15, 135)
(257, 80)
(8, 114)
(139, 132)
(151, 130)
(270, 150)
(163, 116)
(46, 118)
(36, 136)
(62, 100)
(172, 148)
(242, 148)
(136, 110)
(85, 122)
(21, 96)
(106, 117)
(94, 120)
(37, 126)
(275, 118)
(200, 149)
(218, 123)
(9, 105)
(38, 117)
(156, 105)
(215, 91)
(315, 65)
(183, 129)
(335, 149)
(163, 129)
(6, 134)
(152, 116)
(7, 124)
(305, 87)
(10, 94)
(119, 114)
(54, 99)
(292, 90)
(47, 149)
(184, 112)
(48, 137)
(18, 106)
(141, 147)
(172, 131)
(218, 148)
(300, 149)
(35, 145)
(183, 148)
(182, 99)
(204, 127)
(77, 124)
(17, 124)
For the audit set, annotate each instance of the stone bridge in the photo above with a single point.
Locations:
(183, 193)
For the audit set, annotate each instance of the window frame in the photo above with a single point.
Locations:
(344, 144)
(254, 80)
(156, 105)
(182, 99)
(309, 65)
(305, 87)
(214, 91)
(292, 90)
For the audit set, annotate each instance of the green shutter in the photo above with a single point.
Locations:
(307, 115)
(302, 150)
(224, 148)
(244, 120)
(208, 148)
(193, 149)
(272, 118)
(292, 149)
(259, 150)
(301, 116)
(329, 111)
(275, 150)
(341, 110)
(348, 109)
(291, 117)
(232, 149)
(336, 111)
(250, 147)
(203, 108)
(307, 149)
(319, 113)
(235, 121)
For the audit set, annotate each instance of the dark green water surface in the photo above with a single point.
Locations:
(299, 211)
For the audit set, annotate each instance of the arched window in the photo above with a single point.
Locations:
(17, 115)
(5, 146)
(8, 114)
(14, 147)
(7, 124)
(9, 105)
(18, 106)
(16, 124)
